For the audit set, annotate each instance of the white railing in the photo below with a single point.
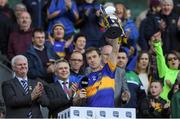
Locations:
(97, 113)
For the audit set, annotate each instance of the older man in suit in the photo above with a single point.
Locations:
(22, 95)
(61, 92)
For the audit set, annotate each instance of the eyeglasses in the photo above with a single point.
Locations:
(78, 60)
(172, 58)
(121, 58)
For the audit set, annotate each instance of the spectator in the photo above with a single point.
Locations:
(154, 106)
(60, 45)
(153, 63)
(105, 53)
(62, 91)
(37, 10)
(89, 22)
(64, 11)
(145, 33)
(41, 57)
(79, 43)
(174, 97)
(23, 96)
(168, 68)
(20, 40)
(129, 26)
(135, 86)
(76, 64)
(142, 70)
(19, 8)
(7, 19)
(131, 32)
(168, 23)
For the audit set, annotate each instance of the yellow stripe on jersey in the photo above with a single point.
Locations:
(104, 83)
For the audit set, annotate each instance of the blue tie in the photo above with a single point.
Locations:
(26, 90)
(25, 86)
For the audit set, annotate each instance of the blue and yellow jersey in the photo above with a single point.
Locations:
(101, 85)
(59, 48)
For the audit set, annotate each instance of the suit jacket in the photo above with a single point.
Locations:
(18, 104)
(58, 100)
(120, 86)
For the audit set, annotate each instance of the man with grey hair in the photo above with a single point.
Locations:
(23, 96)
(19, 8)
(20, 39)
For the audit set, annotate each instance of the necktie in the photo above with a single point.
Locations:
(66, 90)
(26, 90)
(25, 86)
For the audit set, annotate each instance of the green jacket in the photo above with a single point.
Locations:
(164, 71)
(175, 105)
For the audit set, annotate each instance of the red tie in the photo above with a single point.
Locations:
(66, 90)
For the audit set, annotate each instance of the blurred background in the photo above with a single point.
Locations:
(136, 6)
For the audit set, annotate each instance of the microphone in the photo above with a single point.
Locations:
(84, 82)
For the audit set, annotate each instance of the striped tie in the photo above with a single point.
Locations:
(25, 86)
(26, 90)
(66, 90)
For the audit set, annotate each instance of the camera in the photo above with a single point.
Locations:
(112, 24)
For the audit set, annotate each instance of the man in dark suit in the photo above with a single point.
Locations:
(61, 92)
(23, 96)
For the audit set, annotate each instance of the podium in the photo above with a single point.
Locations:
(97, 113)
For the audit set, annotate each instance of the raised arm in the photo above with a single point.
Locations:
(161, 63)
(113, 56)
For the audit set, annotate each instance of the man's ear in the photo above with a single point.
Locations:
(33, 40)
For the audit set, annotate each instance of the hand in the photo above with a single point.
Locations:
(68, 4)
(51, 39)
(73, 89)
(131, 51)
(156, 37)
(152, 103)
(69, 41)
(125, 96)
(167, 105)
(162, 25)
(83, 93)
(168, 82)
(128, 32)
(53, 15)
(51, 68)
(37, 91)
(98, 13)
(178, 23)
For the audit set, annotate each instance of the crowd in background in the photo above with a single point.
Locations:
(52, 41)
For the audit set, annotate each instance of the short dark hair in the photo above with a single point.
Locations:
(157, 81)
(39, 29)
(90, 49)
(123, 50)
(77, 36)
